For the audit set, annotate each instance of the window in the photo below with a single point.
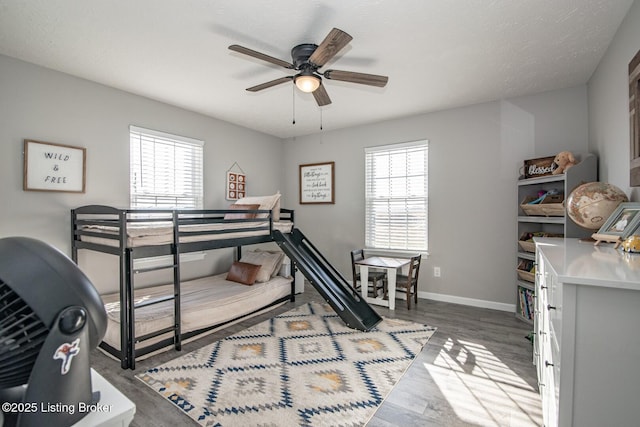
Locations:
(166, 170)
(396, 196)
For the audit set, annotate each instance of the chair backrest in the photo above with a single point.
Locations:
(356, 255)
(414, 268)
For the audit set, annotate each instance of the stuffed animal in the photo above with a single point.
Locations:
(631, 244)
(564, 160)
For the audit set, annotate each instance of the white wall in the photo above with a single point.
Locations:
(608, 91)
(37, 103)
(475, 154)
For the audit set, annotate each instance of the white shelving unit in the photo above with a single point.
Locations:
(585, 171)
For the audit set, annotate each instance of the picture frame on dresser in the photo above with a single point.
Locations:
(622, 222)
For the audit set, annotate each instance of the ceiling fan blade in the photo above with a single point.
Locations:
(321, 96)
(259, 55)
(361, 78)
(269, 84)
(332, 44)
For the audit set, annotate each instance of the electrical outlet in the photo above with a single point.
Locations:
(436, 271)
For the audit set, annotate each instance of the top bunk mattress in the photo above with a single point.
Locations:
(248, 217)
(161, 233)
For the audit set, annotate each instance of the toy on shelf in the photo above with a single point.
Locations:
(542, 195)
(564, 160)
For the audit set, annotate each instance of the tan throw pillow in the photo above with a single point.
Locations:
(268, 262)
(266, 203)
(243, 272)
(243, 215)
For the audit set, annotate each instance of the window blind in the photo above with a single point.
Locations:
(165, 170)
(396, 196)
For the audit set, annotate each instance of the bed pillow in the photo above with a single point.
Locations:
(280, 261)
(268, 263)
(243, 215)
(243, 272)
(271, 203)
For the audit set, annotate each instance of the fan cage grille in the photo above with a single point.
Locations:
(22, 334)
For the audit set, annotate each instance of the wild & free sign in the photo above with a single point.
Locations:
(54, 167)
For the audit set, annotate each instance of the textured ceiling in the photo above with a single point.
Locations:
(438, 54)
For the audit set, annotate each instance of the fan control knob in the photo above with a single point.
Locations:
(72, 320)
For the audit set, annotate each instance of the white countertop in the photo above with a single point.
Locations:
(574, 261)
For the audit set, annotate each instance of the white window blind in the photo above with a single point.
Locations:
(166, 170)
(396, 196)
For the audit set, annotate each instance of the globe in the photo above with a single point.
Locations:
(591, 204)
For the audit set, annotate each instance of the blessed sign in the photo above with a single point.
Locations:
(539, 167)
(316, 183)
(53, 167)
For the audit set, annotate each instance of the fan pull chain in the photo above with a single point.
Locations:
(293, 103)
(320, 118)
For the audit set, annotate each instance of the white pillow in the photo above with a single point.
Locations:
(269, 262)
(271, 203)
(280, 262)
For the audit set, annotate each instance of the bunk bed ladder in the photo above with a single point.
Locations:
(176, 283)
(128, 306)
(127, 315)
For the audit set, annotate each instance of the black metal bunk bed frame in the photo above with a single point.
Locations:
(99, 215)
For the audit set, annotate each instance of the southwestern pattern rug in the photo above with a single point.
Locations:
(304, 367)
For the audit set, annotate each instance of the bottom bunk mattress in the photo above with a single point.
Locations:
(205, 302)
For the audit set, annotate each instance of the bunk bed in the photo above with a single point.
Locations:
(144, 321)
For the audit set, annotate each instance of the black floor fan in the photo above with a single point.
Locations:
(51, 317)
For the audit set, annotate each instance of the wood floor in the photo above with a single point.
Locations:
(476, 370)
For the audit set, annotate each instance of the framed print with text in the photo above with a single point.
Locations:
(54, 167)
(317, 183)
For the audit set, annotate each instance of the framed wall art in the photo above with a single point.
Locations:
(236, 183)
(317, 183)
(54, 167)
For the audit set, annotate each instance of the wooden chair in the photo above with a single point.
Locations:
(376, 278)
(409, 284)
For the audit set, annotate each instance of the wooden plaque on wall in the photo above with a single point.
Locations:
(54, 167)
(317, 183)
(634, 119)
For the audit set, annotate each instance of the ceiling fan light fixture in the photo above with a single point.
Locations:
(307, 58)
(307, 82)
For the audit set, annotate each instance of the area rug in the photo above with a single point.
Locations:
(304, 367)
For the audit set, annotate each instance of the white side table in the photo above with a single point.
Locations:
(391, 265)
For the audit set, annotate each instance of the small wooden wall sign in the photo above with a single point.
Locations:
(543, 166)
(54, 167)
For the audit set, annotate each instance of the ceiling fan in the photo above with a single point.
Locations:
(307, 59)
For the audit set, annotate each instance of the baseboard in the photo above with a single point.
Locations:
(468, 301)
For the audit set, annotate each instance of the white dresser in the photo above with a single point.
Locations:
(587, 334)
